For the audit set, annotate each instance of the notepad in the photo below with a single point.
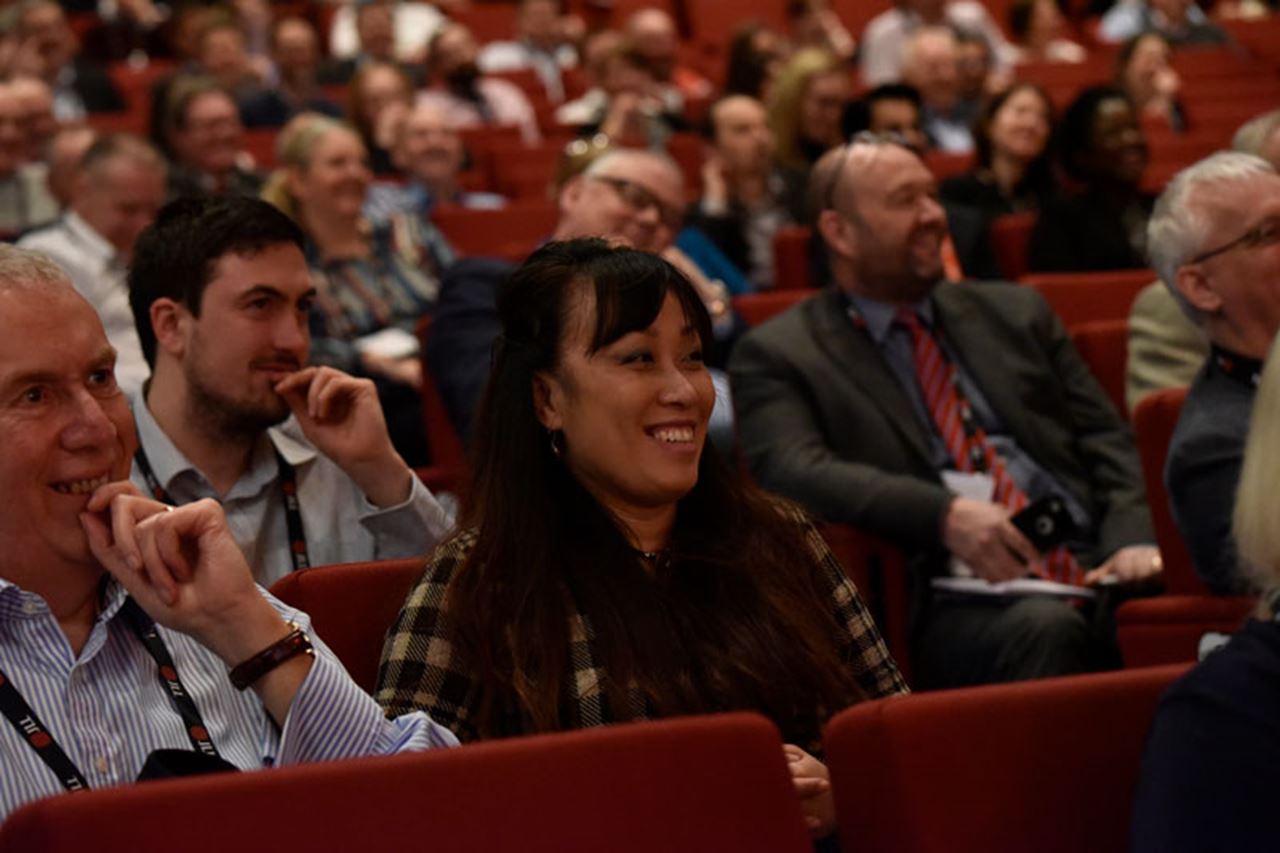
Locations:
(1010, 589)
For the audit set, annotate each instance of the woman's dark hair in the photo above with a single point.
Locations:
(1074, 134)
(1039, 174)
(733, 618)
(1125, 55)
(745, 67)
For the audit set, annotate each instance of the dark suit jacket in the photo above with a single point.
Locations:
(1202, 471)
(1083, 233)
(823, 421)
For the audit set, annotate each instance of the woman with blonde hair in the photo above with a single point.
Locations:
(1212, 764)
(373, 282)
(805, 104)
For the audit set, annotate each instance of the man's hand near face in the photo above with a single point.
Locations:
(342, 417)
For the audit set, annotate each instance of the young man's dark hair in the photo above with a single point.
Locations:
(175, 256)
(857, 114)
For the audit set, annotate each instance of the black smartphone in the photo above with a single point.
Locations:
(1046, 523)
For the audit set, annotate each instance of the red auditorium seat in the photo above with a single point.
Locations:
(487, 21)
(511, 232)
(351, 607)
(791, 258)
(1167, 628)
(879, 570)
(679, 786)
(1082, 297)
(522, 172)
(713, 21)
(1153, 421)
(944, 165)
(1010, 239)
(448, 458)
(756, 308)
(260, 143)
(1044, 765)
(1104, 346)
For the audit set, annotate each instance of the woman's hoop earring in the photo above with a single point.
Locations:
(556, 438)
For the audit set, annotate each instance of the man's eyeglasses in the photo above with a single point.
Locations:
(1264, 234)
(639, 199)
(863, 137)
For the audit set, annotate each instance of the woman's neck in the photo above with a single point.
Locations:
(647, 528)
(1008, 173)
(335, 235)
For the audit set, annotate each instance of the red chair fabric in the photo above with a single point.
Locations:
(679, 786)
(1044, 765)
(1153, 422)
(1010, 238)
(351, 607)
(511, 232)
(879, 570)
(756, 308)
(1167, 629)
(1082, 297)
(447, 452)
(791, 258)
(1104, 346)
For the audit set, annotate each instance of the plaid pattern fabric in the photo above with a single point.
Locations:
(422, 669)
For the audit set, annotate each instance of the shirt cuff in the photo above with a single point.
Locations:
(409, 528)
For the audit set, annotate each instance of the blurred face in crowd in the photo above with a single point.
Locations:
(623, 75)
(35, 99)
(1020, 127)
(654, 35)
(66, 150)
(633, 197)
(597, 52)
(973, 64)
(375, 26)
(13, 140)
(222, 53)
(887, 224)
(67, 426)
(297, 51)
(119, 197)
(634, 413)
(336, 176)
(1150, 58)
(453, 55)
(742, 135)
(381, 86)
(209, 141)
(821, 107)
(900, 116)
(1046, 22)
(1117, 151)
(46, 26)
(1240, 287)
(428, 149)
(539, 22)
(932, 67)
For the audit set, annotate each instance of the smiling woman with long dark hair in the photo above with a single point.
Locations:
(609, 569)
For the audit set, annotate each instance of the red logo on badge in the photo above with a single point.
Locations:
(40, 740)
(288, 487)
(198, 733)
(299, 547)
(168, 674)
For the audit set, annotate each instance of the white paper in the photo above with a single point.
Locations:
(1011, 589)
(975, 486)
(391, 342)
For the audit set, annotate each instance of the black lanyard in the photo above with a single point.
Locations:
(288, 493)
(33, 731)
(1238, 367)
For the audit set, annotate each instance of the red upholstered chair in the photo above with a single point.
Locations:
(1153, 421)
(1010, 239)
(755, 308)
(944, 164)
(679, 786)
(1104, 346)
(1168, 628)
(351, 607)
(448, 457)
(1081, 297)
(791, 258)
(1044, 765)
(511, 232)
(879, 570)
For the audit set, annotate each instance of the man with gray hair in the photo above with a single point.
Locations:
(119, 188)
(1215, 242)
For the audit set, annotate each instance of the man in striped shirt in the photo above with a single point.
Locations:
(119, 617)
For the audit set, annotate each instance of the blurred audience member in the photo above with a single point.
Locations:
(884, 42)
(295, 53)
(653, 33)
(805, 107)
(223, 56)
(1144, 74)
(745, 197)
(813, 23)
(756, 54)
(380, 95)
(374, 22)
(41, 44)
(976, 75)
(1180, 21)
(369, 280)
(65, 152)
(540, 44)
(35, 99)
(1260, 136)
(1014, 171)
(931, 65)
(1103, 226)
(206, 137)
(466, 97)
(1039, 29)
(25, 200)
(888, 108)
(384, 29)
(429, 153)
(629, 105)
(120, 186)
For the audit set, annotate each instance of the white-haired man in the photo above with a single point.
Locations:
(1215, 242)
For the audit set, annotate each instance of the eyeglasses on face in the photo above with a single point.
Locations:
(1265, 233)
(640, 199)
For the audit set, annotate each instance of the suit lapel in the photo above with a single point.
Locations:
(857, 358)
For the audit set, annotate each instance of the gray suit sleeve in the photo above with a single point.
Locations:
(1202, 476)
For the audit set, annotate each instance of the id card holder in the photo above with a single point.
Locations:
(976, 486)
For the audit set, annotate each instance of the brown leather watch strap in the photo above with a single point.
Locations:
(295, 643)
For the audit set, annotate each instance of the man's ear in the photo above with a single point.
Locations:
(838, 233)
(1194, 286)
(548, 400)
(170, 321)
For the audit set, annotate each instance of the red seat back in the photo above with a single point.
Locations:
(791, 258)
(879, 570)
(511, 232)
(756, 308)
(1168, 628)
(1082, 297)
(351, 607)
(1104, 346)
(680, 786)
(1153, 422)
(447, 452)
(1045, 765)
(1010, 239)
